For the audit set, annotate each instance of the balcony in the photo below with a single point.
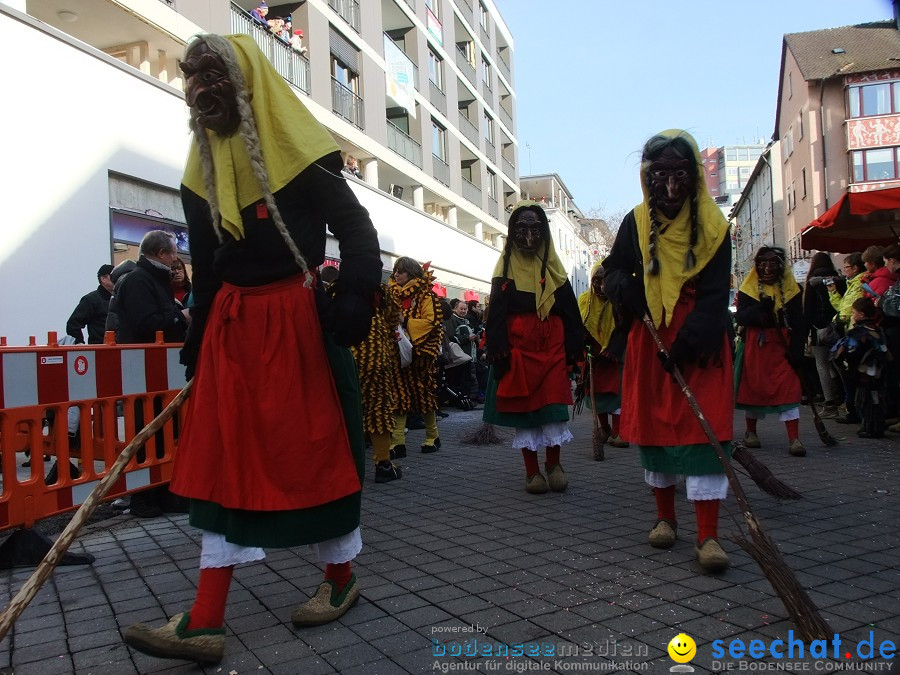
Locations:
(437, 97)
(471, 191)
(441, 170)
(504, 67)
(290, 64)
(414, 67)
(508, 168)
(401, 143)
(347, 104)
(506, 117)
(490, 150)
(462, 61)
(465, 8)
(348, 11)
(469, 130)
(493, 207)
(412, 5)
(488, 93)
(485, 38)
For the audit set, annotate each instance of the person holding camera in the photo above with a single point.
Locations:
(853, 269)
(819, 313)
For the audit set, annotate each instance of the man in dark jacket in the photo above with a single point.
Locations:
(144, 298)
(145, 304)
(91, 310)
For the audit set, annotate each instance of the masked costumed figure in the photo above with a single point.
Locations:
(672, 260)
(602, 367)
(534, 333)
(378, 364)
(271, 454)
(411, 285)
(766, 363)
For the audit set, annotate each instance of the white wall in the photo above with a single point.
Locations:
(69, 118)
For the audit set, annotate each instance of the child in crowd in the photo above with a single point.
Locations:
(865, 355)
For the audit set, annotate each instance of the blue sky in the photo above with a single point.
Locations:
(594, 79)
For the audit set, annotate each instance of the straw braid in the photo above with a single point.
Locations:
(654, 267)
(250, 135)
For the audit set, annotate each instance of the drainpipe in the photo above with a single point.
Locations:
(822, 134)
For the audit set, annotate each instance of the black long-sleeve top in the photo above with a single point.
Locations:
(316, 197)
(709, 321)
(750, 313)
(508, 301)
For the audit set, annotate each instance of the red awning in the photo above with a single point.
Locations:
(857, 220)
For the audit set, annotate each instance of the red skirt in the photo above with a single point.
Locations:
(537, 374)
(265, 430)
(766, 377)
(606, 376)
(654, 409)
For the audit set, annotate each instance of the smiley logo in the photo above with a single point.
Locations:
(682, 648)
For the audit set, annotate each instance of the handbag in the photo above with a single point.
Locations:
(404, 344)
(828, 336)
(457, 356)
(890, 301)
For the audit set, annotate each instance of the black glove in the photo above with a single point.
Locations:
(680, 353)
(501, 367)
(634, 301)
(767, 311)
(189, 354)
(348, 317)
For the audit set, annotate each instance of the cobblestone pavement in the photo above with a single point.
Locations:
(457, 545)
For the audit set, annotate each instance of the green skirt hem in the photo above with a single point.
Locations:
(699, 459)
(555, 412)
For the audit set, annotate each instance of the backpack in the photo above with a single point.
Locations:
(890, 301)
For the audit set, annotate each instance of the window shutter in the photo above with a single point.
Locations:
(344, 51)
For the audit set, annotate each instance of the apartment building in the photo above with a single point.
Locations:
(838, 119)
(727, 170)
(758, 214)
(419, 93)
(565, 218)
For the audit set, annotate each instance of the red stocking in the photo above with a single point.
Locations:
(615, 424)
(751, 425)
(665, 502)
(707, 519)
(793, 429)
(531, 462)
(212, 592)
(339, 573)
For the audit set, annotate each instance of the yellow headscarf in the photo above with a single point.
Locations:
(596, 314)
(525, 271)
(290, 136)
(664, 289)
(789, 286)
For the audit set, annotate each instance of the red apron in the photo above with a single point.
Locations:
(767, 379)
(265, 431)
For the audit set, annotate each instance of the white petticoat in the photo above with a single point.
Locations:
(699, 488)
(546, 436)
(216, 552)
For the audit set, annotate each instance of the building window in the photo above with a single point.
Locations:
(731, 171)
(874, 99)
(435, 70)
(743, 154)
(434, 6)
(803, 181)
(745, 171)
(343, 74)
(489, 128)
(486, 75)
(483, 15)
(439, 141)
(874, 165)
(790, 84)
(492, 184)
(800, 126)
(731, 154)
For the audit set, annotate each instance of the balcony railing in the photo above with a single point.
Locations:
(348, 11)
(462, 61)
(506, 117)
(504, 67)
(441, 170)
(508, 168)
(487, 92)
(290, 64)
(466, 5)
(347, 104)
(493, 207)
(401, 143)
(471, 191)
(490, 150)
(469, 130)
(485, 38)
(437, 97)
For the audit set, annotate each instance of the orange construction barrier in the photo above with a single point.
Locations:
(115, 390)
